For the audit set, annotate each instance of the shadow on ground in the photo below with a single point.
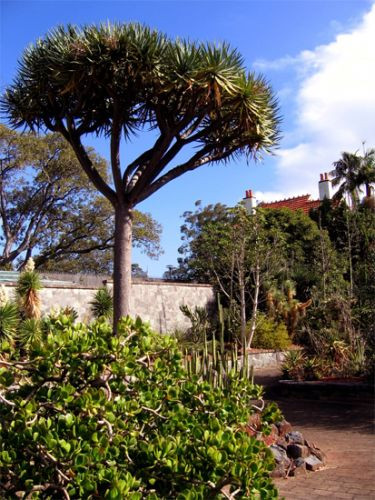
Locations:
(341, 415)
(339, 412)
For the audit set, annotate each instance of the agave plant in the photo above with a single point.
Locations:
(9, 319)
(293, 365)
(102, 304)
(70, 312)
(28, 287)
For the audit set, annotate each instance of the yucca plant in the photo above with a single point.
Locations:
(311, 369)
(293, 365)
(70, 312)
(9, 320)
(29, 332)
(102, 304)
(29, 285)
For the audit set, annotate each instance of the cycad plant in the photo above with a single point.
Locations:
(9, 320)
(102, 304)
(29, 285)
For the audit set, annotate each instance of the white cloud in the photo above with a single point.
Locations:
(335, 106)
(268, 196)
(277, 64)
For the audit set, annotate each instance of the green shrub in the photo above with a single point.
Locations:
(86, 414)
(270, 335)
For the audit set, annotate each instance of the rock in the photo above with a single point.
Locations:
(283, 463)
(284, 427)
(272, 437)
(279, 454)
(282, 443)
(297, 450)
(319, 454)
(313, 463)
(254, 421)
(299, 467)
(279, 471)
(295, 437)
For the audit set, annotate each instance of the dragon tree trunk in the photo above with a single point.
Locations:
(122, 263)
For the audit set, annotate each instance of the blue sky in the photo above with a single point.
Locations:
(318, 55)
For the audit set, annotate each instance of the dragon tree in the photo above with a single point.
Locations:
(124, 80)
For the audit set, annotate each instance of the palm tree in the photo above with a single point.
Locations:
(352, 172)
(366, 174)
(346, 177)
(124, 79)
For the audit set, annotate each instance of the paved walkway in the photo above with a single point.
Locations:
(345, 432)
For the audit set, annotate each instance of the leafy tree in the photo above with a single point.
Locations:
(138, 272)
(118, 80)
(353, 236)
(231, 249)
(294, 236)
(49, 208)
(174, 273)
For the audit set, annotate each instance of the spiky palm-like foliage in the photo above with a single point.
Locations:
(9, 320)
(282, 305)
(366, 174)
(29, 331)
(102, 304)
(28, 287)
(352, 172)
(70, 312)
(116, 80)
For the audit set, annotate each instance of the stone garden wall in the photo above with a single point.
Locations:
(155, 301)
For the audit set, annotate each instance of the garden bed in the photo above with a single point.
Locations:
(354, 387)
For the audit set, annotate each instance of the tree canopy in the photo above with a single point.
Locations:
(50, 210)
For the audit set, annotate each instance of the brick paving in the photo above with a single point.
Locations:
(345, 432)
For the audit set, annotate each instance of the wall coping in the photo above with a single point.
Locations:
(78, 286)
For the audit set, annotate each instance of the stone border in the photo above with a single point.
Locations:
(320, 389)
(61, 285)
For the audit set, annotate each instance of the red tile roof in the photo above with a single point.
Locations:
(302, 202)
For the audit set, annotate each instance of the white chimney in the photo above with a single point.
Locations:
(325, 185)
(250, 202)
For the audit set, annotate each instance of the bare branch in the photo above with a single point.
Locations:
(105, 422)
(92, 173)
(155, 412)
(6, 401)
(196, 161)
